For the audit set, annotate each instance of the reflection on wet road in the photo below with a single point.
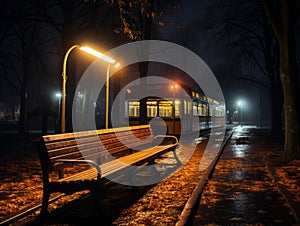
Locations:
(241, 192)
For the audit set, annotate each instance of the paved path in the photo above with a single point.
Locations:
(241, 191)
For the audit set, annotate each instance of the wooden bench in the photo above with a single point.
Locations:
(105, 151)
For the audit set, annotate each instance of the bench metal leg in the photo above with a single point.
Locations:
(176, 157)
(154, 170)
(94, 197)
(94, 191)
(46, 196)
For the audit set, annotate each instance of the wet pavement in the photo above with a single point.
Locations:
(241, 190)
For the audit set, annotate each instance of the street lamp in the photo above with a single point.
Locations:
(97, 54)
(174, 87)
(58, 96)
(240, 104)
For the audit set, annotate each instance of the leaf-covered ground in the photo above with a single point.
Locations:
(21, 186)
(21, 183)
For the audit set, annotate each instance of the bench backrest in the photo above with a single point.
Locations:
(86, 145)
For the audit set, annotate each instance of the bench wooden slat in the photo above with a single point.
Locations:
(65, 136)
(113, 150)
(74, 152)
(122, 163)
(71, 146)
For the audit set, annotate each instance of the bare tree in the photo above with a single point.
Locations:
(68, 22)
(71, 22)
(243, 30)
(19, 44)
(137, 21)
(282, 16)
(264, 31)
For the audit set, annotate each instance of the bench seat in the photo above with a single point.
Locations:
(114, 156)
(119, 166)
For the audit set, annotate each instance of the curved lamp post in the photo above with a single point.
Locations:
(174, 87)
(97, 54)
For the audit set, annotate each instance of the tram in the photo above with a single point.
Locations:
(183, 110)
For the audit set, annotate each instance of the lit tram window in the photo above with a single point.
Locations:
(133, 108)
(211, 110)
(195, 108)
(189, 107)
(204, 109)
(177, 107)
(220, 112)
(151, 108)
(165, 108)
(200, 109)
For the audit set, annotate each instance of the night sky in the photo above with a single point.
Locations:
(226, 65)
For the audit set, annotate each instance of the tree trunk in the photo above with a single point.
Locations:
(23, 107)
(143, 69)
(272, 68)
(292, 145)
(276, 109)
(146, 27)
(284, 28)
(67, 40)
(291, 122)
(24, 84)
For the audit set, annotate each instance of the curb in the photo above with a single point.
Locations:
(292, 205)
(190, 205)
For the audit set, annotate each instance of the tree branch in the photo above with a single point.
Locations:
(272, 18)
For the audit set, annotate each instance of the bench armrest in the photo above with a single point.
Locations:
(92, 163)
(175, 139)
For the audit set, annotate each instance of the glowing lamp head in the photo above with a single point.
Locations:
(117, 65)
(174, 86)
(58, 95)
(97, 54)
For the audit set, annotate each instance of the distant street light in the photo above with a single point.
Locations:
(228, 118)
(97, 54)
(240, 104)
(58, 96)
